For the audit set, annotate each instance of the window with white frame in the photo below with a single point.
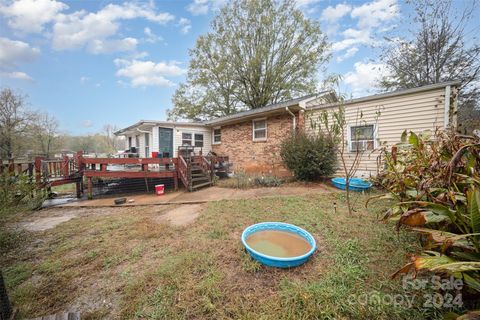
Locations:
(217, 135)
(137, 144)
(198, 140)
(147, 145)
(362, 138)
(259, 130)
(186, 139)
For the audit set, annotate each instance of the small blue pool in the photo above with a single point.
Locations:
(282, 245)
(356, 184)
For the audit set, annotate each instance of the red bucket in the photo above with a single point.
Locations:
(160, 189)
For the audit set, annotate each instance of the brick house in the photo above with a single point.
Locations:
(252, 139)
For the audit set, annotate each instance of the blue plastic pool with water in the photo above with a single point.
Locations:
(278, 262)
(356, 184)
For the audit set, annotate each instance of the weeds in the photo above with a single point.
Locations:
(243, 181)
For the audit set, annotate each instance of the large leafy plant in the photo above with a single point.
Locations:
(435, 184)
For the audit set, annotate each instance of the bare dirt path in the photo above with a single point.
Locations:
(176, 208)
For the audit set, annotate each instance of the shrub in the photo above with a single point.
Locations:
(18, 192)
(435, 185)
(309, 157)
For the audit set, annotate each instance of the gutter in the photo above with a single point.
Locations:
(293, 118)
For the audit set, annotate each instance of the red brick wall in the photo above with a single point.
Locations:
(256, 157)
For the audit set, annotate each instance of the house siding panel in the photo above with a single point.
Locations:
(413, 112)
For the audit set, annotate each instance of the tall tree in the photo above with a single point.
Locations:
(257, 52)
(438, 48)
(14, 120)
(45, 134)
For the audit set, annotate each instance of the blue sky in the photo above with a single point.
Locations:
(91, 63)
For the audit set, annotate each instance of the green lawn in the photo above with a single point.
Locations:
(126, 265)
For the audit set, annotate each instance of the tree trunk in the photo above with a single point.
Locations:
(5, 307)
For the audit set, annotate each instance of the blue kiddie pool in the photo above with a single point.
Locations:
(356, 184)
(278, 244)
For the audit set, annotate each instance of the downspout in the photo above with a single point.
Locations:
(294, 119)
(446, 119)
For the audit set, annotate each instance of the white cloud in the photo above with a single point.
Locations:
(148, 73)
(18, 75)
(333, 14)
(13, 52)
(353, 37)
(95, 30)
(350, 53)
(30, 16)
(364, 77)
(201, 7)
(151, 37)
(371, 18)
(185, 25)
(84, 79)
(372, 14)
(108, 46)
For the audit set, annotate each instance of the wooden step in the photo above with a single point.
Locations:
(209, 183)
(203, 178)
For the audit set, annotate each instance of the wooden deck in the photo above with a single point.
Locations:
(194, 172)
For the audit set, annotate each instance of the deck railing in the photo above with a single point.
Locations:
(184, 171)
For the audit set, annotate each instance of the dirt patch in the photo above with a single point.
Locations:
(181, 215)
(43, 224)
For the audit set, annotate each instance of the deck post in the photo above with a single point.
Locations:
(78, 188)
(66, 167)
(38, 170)
(11, 165)
(90, 191)
(175, 180)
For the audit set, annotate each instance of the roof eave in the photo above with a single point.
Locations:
(391, 94)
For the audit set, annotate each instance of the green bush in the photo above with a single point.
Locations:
(18, 192)
(309, 157)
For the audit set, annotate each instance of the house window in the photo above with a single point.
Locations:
(186, 139)
(362, 138)
(129, 143)
(147, 145)
(198, 140)
(137, 141)
(217, 135)
(259, 129)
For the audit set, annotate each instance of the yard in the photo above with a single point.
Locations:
(128, 262)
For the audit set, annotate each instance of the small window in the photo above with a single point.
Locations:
(198, 140)
(260, 129)
(129, 143)
(362, 138)
(137, 142)
(217, 135)
(186, 139)
(147, 145)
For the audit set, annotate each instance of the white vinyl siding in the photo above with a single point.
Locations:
(146, 142)
(205, 131)
(415, 112)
